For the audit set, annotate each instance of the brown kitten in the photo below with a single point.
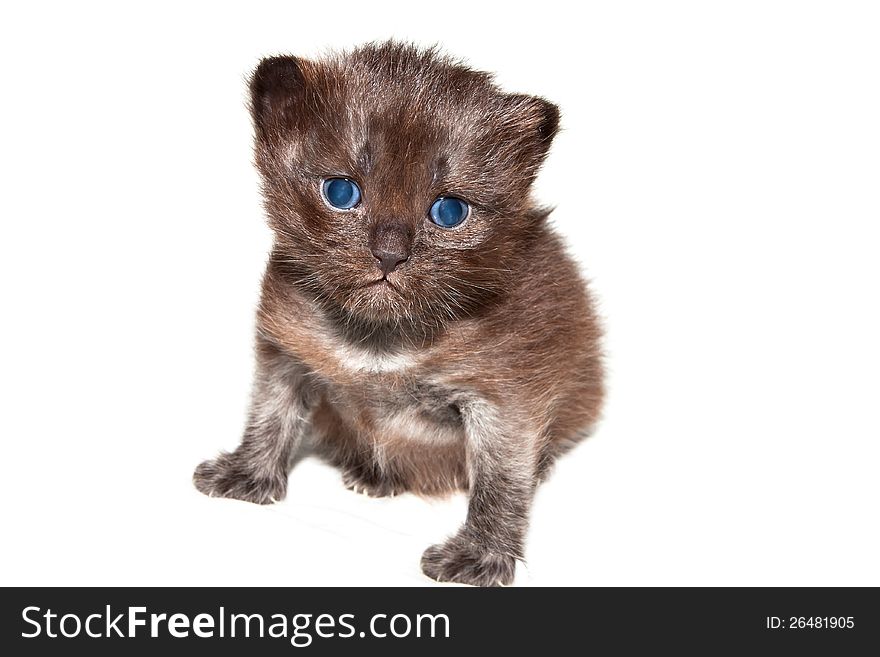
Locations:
(418, 357)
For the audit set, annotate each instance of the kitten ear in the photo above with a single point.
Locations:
(536, 117)
(549, 124)
(532, 122)
(276, 87)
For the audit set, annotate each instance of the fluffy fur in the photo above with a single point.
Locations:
(475, 362)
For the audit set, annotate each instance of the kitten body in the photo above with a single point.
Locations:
(470, 364)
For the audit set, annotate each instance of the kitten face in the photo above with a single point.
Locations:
(408, 127)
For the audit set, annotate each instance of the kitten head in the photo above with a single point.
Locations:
(396, 180)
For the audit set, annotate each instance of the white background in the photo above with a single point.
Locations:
(718, 175)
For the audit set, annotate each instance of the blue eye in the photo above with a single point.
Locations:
(341, 193)
(448, 211)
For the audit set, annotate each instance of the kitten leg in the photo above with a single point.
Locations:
(257, 470)
(339, 444)
(502, 463)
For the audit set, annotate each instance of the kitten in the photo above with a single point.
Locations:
(419, 320)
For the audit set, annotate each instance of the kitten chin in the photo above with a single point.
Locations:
(420, 321)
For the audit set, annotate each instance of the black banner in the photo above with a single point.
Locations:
(111, 621)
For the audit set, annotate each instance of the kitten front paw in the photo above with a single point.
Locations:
(228, 476)
(371, 484)
(464, 561)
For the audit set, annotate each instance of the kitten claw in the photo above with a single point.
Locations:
(467, 562)
(228, 476)
(370, 485)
